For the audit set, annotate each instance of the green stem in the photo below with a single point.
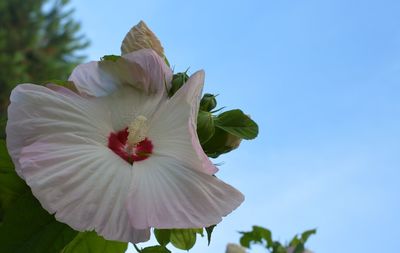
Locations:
(136, 248)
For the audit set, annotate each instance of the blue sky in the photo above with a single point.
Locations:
(322, 79)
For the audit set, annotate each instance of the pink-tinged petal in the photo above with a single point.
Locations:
(36, 112)
(142, 69)
(157, 76)
(166, 194)
(173, 128)
(85, 185)
(91, 80)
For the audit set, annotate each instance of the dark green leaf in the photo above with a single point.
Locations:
(299, 248)
(183, 238)
(205, 126)
(110, 57)
(208, 102)
(238, 124)
(11, 185)
(155, 249)
(163, 236)
(220, 143)
(88, 242)
(209, 232)
(27, 227)
(246, 239)
(264, 234)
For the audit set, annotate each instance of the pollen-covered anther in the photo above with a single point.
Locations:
(137, 130)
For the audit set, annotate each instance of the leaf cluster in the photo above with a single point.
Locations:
(183, 239)
(218, 133)
(263, 236)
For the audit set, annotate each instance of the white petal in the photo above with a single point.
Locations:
(36, 112)
(83, 184)
(173, 128)
(127, 103)
(143, 69)
(166, 194)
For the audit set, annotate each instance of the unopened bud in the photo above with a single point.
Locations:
(208, 102)
(178, 80)
(234, 248)
(139, 37)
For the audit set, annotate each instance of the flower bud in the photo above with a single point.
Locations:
(208, 102)
(234, 248)
(139, 37)
(178, 80)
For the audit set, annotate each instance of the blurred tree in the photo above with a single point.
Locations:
(39, 41)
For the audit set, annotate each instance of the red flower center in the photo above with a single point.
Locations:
(117, 142)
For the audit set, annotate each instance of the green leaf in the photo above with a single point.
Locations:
(306, 234)
(246, 239)
(88, 242)
(209, 232)
(208, 102)
(11, 185)
(264, 234)
(183, 238)
(237, 123)
(110, 57)
(163, 236)
(257, 236)
(220, 143)
(279, 248)
(27, 227)
(299, 248)
(205, 126)
(155, 249)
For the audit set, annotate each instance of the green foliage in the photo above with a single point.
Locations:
(163, 236)
(11, 185)
(178, 80)
(298, 242)
(205, 126)
(209, 231)
(220, 143)
(110, 57)
(258, 235)
(155, 249)
(180, 238)
(88, 242)
(27, 227)
(208, 102)
(238, 124)
(36, 44)
(263, 236)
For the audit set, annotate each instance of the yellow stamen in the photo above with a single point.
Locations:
(137, 130)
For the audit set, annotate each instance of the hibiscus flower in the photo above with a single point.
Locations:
(117, 155)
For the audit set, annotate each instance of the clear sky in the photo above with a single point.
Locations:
(322, 79)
